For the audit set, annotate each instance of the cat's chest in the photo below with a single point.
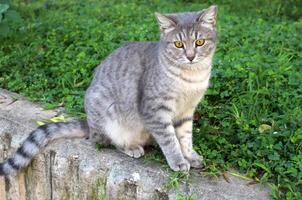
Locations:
(189, 96)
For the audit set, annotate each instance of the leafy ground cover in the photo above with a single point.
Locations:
(252, 114)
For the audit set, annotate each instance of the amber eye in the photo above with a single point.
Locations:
(199, 42)
(178, 44)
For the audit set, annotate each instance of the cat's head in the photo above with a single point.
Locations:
(188, 38)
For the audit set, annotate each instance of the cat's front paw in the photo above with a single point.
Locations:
(195, 160)
(180, 165)
(134, 152)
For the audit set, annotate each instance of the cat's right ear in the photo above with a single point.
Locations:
(166, 23)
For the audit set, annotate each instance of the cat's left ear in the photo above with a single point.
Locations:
(208, 17)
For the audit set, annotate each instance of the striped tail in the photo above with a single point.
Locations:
(38, 139)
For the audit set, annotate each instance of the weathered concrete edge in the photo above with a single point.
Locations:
(73, 169)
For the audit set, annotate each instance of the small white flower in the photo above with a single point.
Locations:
(135, 177)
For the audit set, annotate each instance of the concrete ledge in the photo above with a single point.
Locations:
(74, 169)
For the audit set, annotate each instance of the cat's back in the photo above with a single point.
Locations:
(118, 77)
(141, 47)
(129, 59)
(121, 72)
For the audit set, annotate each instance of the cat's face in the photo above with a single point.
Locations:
(188, 38)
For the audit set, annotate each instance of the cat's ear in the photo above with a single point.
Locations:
(208, 17)
(166, 23)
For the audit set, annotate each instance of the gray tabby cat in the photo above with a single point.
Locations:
(143, 91)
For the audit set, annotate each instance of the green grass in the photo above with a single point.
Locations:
(257, 75)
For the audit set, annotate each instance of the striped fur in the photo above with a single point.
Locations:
(38, 139)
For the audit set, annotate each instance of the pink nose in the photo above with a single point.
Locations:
(190, 58)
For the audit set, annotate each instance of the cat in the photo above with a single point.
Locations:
(141, 93)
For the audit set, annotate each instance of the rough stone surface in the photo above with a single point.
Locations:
(74, 169)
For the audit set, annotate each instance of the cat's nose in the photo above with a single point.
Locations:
(190, 58)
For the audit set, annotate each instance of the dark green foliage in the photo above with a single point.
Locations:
(8, 16)
(256, 82)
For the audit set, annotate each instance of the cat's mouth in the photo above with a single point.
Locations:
(191, 62)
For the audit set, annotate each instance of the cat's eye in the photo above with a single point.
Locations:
(199, 42)
(179, 44)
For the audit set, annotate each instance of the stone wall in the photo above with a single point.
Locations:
(74, 169)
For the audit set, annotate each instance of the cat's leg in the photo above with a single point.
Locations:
(183, 126)
(158, 122)
(126, 140)
(95, 107)
(105, 129)
(114, 133)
